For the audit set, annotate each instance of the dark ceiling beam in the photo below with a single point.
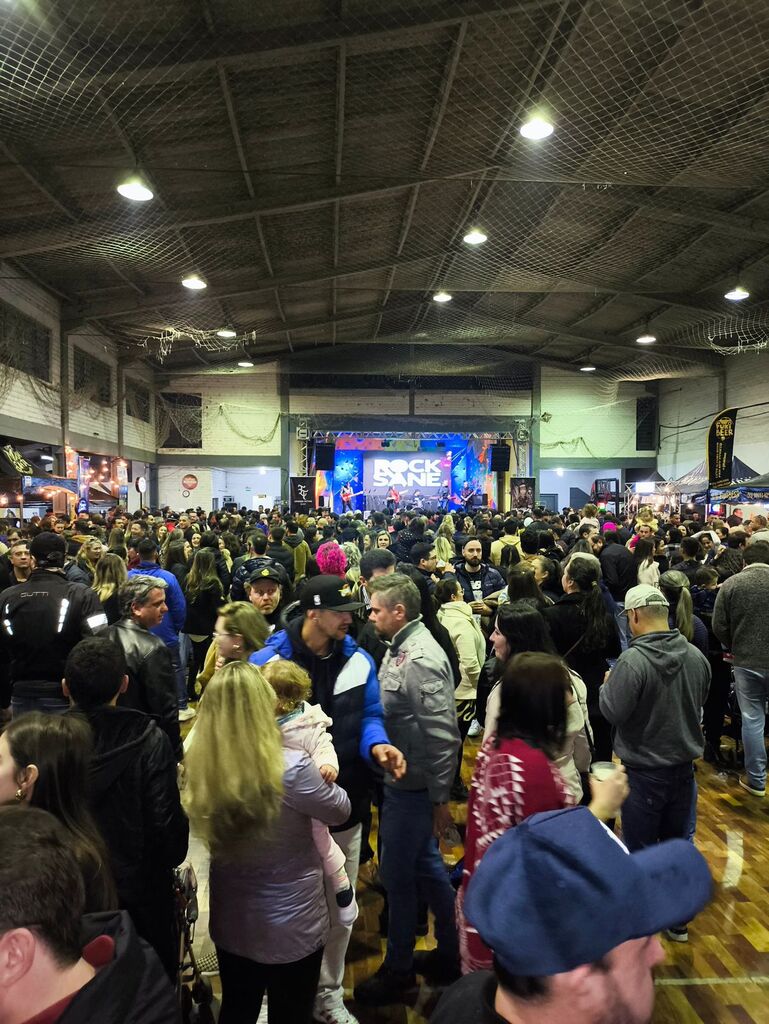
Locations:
(271, 47)
(237, 138)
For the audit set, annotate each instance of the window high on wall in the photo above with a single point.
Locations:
(24, 343)
(92, 376)
(179, 420)
(138, 402)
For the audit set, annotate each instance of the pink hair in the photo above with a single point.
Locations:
(331, 560)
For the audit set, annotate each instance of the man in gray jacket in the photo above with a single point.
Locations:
(653, 697)
(741, 624)
(417, 688)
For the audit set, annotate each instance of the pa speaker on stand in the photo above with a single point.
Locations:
(500, 458)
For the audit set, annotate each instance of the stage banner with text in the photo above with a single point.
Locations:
(302, 494)
(721, 448)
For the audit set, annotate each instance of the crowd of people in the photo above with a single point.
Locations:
(270, 682)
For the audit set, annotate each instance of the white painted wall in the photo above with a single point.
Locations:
(240, 409)
(170, 486)
(683, 441)
(349, 403)
(584, 422)
(19, 401)
(243, 484)
(550, 482)
(137, 433)
(88, 417)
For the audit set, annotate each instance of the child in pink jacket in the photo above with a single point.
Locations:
(305, 727)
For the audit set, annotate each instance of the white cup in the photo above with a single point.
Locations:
(601, 770)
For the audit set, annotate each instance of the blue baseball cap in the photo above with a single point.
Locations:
(560, 890)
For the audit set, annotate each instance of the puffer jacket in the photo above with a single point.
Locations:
(469, 643)
(151, 680)
(417, 687)
(130, 988)
(42, 619)
(269, 904)
(135, 801)
(345, 686)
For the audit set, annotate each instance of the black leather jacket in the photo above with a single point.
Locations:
(41, 620)
(151, 680)
(136, 804)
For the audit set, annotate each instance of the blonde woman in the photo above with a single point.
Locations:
(110, 575)
(352, 554)
(84, 567)
(240, 630)
(252, 802)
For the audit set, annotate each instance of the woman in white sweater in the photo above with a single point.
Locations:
(468, 640)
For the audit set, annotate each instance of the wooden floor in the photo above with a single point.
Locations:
(720, 977)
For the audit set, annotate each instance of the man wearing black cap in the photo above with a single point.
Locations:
(572, 919)
(41, 620)
(345, 685)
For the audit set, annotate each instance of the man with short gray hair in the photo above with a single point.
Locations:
(151, 679)
(417, 687)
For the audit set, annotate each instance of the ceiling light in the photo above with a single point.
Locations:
(226, 332)
(441, 297)
(737, 294)
(536, 128)
(475, 237)
(194, 283)
(136, 190)
(587, 369)
(646, 339)
(245, 363)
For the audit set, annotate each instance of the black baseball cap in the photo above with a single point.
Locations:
(328, 593)
(48, 549)
(268, 572)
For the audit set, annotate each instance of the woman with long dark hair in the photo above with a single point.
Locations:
(175, 560)
(585, 635)
(647, 569)
(522, 586)
(204, 595)
(516, 774)
(44, 763)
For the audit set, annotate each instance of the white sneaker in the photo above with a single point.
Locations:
(475, 729)
(185, 714)
(334, 1015)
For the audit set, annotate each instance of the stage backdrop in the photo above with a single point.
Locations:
(372, 465)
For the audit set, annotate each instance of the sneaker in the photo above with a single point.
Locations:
(677, 934)
(185, 714)
(385, 987)
(334, 1015)
(208, 965)
(475, 729)
(751, 789)
(436, 969)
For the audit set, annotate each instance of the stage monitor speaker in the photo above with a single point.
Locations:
(486, 502)
(324, 457)
(500, 458)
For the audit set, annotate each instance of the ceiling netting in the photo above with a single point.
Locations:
(318, 164)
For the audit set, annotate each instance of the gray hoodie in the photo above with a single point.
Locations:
(654, 697)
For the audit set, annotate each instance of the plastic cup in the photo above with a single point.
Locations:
(601, 770)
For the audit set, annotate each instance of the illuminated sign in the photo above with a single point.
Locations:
(419, 472)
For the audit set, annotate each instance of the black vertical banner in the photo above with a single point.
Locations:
(721, 448)
(302, 494)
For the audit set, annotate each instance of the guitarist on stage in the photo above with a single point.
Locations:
(346, 494)
(393, 499)
(466, 495)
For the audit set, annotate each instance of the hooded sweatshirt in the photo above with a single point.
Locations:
(654, 697)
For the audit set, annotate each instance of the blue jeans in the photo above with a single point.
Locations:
(180, 671)
(752, 689)
(48, 705)
(659, 805)
(412, 869)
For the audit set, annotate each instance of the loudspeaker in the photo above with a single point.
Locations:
(500, 458)
(324, 457)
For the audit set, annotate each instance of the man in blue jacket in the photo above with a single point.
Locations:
(173, 620)
(345, 685)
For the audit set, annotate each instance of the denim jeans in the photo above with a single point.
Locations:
(48, 705)
(412, 868)
(752, 689)
(659, 805)
(180, 671)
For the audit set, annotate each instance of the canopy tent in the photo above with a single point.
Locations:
(747, 493)
(696, 479)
